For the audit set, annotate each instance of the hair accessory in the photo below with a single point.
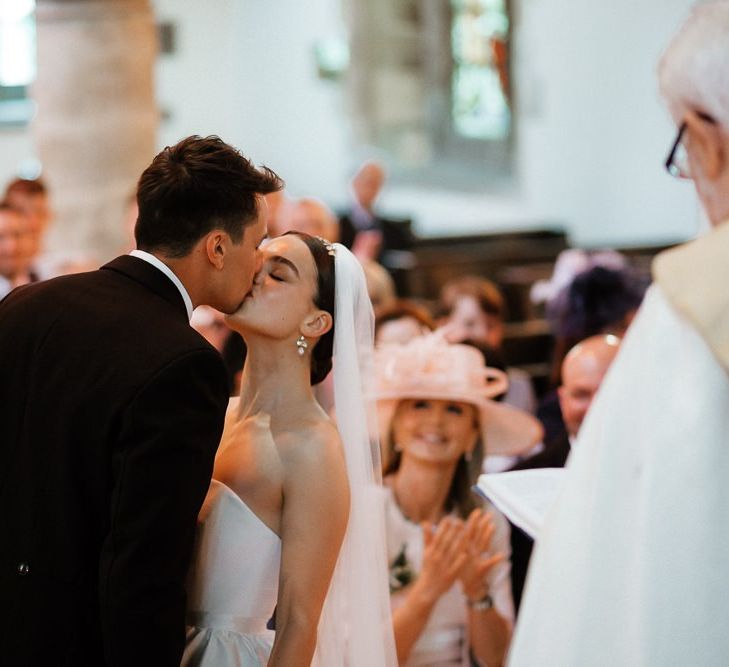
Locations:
(329, 246)
(429, 367)
(301, 345)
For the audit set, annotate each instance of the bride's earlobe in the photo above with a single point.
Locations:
(318, 325)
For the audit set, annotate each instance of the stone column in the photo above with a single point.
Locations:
(96, 123)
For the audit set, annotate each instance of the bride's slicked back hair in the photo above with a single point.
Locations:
(321, 356)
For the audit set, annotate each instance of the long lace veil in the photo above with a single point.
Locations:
(355, 629)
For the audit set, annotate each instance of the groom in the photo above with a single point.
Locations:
(111, 408)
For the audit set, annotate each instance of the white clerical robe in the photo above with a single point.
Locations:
(632, 566)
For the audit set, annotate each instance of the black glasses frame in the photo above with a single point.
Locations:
(671, 166)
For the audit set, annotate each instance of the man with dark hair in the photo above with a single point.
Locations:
(111, 408)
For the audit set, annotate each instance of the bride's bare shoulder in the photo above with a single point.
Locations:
(313, 442)
(314, 470)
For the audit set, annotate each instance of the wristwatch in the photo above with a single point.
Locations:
(486, 602)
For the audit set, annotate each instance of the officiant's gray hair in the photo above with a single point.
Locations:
(694, 70)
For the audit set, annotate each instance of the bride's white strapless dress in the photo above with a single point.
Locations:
(232, 585)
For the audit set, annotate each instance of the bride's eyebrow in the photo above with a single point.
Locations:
(279, 259)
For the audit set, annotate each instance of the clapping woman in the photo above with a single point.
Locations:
(448, 552)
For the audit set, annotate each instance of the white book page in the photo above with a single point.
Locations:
(523, 496)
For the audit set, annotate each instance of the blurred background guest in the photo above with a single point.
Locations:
(380, 285)
(277, 203)
(599, 300)
(361, 217)
(17, 245)
(474, 309)
(401, 322)
(309, 215)
(370, 235)
(30, 196)
(583, 370)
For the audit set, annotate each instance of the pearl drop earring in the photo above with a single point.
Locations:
(301, 345)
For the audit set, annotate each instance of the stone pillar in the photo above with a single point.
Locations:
(96, 123)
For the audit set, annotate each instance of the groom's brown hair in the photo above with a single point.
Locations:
(193, 187)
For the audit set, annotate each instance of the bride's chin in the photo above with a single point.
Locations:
(236, 321)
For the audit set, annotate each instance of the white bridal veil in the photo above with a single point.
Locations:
(355, 629)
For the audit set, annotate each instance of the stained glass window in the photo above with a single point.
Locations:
(429, 86)
(480, 76)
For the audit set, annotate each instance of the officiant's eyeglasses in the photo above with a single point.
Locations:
(677, 162)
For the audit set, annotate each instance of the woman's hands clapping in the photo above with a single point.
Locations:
(477, 533)
(454, 550)
(458, 550)
(444, 556)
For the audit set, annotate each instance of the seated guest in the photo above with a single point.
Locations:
(474, 309)
(310, 216)
(568, 265)
(402, 322)
(583, 371)
(600, 300)
(31, 197)
(380, 286)
(448, 551)
(16, 249)
(277, 203)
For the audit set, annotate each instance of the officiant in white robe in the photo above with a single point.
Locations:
(632, 565)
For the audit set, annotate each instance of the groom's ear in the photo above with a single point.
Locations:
(317, 324)
(215, 248)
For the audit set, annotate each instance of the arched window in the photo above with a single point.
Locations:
(430, 86)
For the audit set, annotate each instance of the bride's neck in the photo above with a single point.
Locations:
(275, 380)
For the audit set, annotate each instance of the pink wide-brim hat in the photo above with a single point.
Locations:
(430, 367)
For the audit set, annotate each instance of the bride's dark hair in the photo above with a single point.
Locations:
(321, 356)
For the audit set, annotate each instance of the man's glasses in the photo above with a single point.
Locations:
(677, 162)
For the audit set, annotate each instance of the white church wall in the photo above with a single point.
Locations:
(591, 131)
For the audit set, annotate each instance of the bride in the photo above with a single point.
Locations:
(291, 520)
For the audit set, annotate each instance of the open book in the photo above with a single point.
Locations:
(523, 496)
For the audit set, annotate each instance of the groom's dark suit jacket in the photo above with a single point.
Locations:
(111, 408)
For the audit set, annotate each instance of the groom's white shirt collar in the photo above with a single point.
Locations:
(159, 264)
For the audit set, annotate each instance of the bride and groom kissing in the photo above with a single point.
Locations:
(111, 412)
